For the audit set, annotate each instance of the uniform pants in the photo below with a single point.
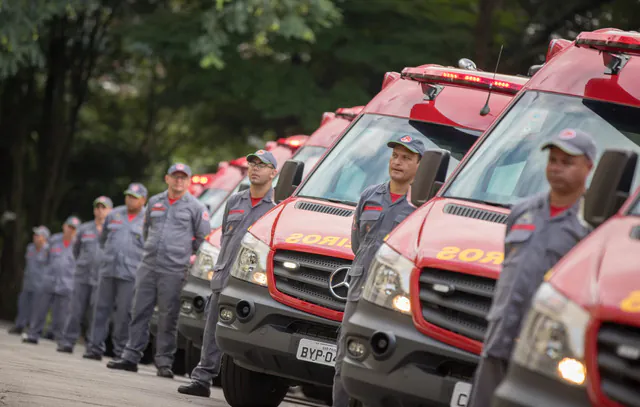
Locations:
(25, 308)
(489, 374)
(111, 292)
(153, 288)
(80, 307)
(340, 396)
(211, 355)
(59, 305)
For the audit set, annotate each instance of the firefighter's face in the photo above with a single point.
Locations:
(567, 174)
(133, 203)
(100, 212)
(68, 231)
(260, 173)
(178, 182)
(403, 165)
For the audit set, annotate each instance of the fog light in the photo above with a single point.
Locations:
(382, 344)
(186, 307)
(356, 349)
(226, 315)
(244, 310)
(572, 370)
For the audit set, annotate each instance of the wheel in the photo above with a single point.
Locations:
(320, 393)
(246, 388)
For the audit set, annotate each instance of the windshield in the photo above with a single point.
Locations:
(635, 208)
(361, 157)
(213, 197)
(509, 165)
(309, 155)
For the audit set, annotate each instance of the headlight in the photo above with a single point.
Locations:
(251, 263)
(206, 258)
(552, 337)
(387, 284)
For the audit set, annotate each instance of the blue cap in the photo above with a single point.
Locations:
(179, 167)
(573, 142)
(264, 156)
(411, 143)
(104, 200)
(73, 221)
(136, 190)
(42, 231)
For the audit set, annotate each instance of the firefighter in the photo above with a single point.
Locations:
(380, 209)
(175, 225)
(56, 285)
(35, 260)
(540, 230)
(121, 244)
(86, 252)
(241, 211)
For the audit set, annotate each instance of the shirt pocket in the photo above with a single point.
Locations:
(367, 220)
(514, 242)
(561, 241)
(233, 221)
(183, 218)
(136, 236)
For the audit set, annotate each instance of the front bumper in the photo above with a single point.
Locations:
(414, 370)
(525, 388)
(192, 310)
(268, 340)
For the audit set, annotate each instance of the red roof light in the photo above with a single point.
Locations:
(326, 117)
(611, 40)
(501, 83)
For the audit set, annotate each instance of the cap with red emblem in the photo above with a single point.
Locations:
(73, 221)
(411, 143)
(179, 167)
(136, 190)
(264, 156)
(573, 142)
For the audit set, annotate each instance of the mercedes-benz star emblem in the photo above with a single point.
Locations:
(339, 283)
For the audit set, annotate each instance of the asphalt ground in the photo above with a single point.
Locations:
(38, 376)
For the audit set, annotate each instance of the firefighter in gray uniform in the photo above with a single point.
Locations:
(175, 225)
(56, 284)
(86, 252)
(121, 243)
(35, 261)
(380, 209)
(241, 211)
(540, 230)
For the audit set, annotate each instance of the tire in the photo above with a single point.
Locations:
(320, 393)
(246, 388)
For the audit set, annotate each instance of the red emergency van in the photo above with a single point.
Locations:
(580, 343)
(419, 327)
(222, 182)
(196, 290)
(279, 315)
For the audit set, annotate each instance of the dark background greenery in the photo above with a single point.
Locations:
(95, 94)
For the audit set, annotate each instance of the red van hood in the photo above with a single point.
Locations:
(299, 227)
(602, 271)
(452, 241)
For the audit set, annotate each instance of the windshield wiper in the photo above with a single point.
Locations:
(332, 200)
(501, 205)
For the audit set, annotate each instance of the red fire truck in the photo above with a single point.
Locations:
(278, 315)
(419, 327)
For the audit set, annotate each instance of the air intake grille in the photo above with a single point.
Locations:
(328, 209)
(475, 213)
(619, 363)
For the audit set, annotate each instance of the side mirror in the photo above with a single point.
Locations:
(243, 187)
(533, 69)
(610, 185)
(431, 175)
(290, 178)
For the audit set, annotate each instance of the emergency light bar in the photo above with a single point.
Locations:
(327, 116)
(389, 78)
(199, 179)
(611, 40)
(501, 83)
(239, 162)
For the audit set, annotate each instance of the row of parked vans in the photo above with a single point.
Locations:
(416, 335)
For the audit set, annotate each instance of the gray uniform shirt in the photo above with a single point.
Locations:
(60, 265)
(173, 233)
(35, 262)
(533, 244)
(86, 250)
(121, 243)
(238, 216)
(375, 217)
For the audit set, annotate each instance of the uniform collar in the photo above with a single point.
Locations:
(574, 210)
(246, 194)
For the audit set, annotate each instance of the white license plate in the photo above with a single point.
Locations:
(460, 396)
(317, 352)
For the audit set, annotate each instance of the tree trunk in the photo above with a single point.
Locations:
(484, 34)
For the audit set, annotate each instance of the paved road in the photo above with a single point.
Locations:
(38, 376)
